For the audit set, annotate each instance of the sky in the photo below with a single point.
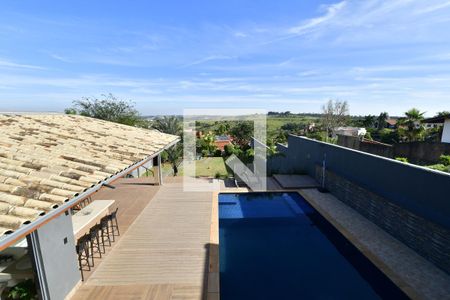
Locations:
(287, 55)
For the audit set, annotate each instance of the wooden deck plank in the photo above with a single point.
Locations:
(162, 255)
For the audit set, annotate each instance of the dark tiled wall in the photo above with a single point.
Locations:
(422, 191)
(430, 240)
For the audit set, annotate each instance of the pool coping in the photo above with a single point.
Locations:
(391, 271)
(384, 268)
(213, 284)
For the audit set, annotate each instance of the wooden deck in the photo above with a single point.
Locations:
(131, 196)
(162, 255)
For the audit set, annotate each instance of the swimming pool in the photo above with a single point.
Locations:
(277, 246)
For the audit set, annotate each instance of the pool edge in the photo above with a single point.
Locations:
(372, 257)
(390, 272)
(213, 284)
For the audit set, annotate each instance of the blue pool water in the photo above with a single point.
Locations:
(276, 246)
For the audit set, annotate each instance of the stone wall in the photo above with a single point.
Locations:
(426, 238)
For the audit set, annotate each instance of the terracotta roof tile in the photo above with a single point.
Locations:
(45, 160)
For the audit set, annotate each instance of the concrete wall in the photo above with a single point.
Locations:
(415, 152)
(412, 203)
(446, 132)
(57, 253)
(421, 152)
(366, 146)
(423, 191)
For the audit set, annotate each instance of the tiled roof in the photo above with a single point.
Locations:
(391, 122)
(45, 160)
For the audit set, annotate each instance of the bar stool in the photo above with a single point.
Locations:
(82, 250)
(114, 225)
(105, 232)
(94, 240)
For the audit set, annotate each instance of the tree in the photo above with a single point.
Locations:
(292, 127)
(411, 121)
(443, 113)
(369, 121)
(242, 132)
(206, 144)
(171, 125)
(382, 118)
(168, 124)
(334, 114)
(108, 108)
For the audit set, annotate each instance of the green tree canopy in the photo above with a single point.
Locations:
(168, 124)
(107, 108)
(171, 125)
(369, 121)
(242, 132)
(382, 120)
(411, 121)
(443, 113)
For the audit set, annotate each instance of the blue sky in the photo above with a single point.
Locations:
(277, 55)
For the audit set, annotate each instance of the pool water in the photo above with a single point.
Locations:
(276, 246)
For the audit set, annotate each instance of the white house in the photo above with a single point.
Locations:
(441, 120)
(350, 131)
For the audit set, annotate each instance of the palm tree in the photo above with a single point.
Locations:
(382, 118)
(411, 121)
(171, 125)
(168, 124)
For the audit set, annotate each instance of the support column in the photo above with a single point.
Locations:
(157, 171)
(160, 179)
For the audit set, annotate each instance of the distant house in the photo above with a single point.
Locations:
(391, 123)
(432, 125)
(349, 131)
(441, 121)
(311, 126)
(221, 141)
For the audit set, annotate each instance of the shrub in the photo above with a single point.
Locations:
(440, 167)
(402, 159)
(205, 153)
(217, 175)
(445, 160)
(229, 149)
(388, 136)
(164, 156)
(217, 153)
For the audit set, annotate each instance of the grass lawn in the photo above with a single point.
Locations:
(205, 167)
(210, 166)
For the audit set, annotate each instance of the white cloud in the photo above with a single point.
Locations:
(361, 23)
(12, 65)
(433, 8)
(240, 34)
(208, 58)
(309, 25)
(60, 58)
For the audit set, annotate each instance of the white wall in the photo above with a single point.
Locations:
(446, 132)
(58, 256)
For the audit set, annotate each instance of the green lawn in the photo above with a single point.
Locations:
(210, 166)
